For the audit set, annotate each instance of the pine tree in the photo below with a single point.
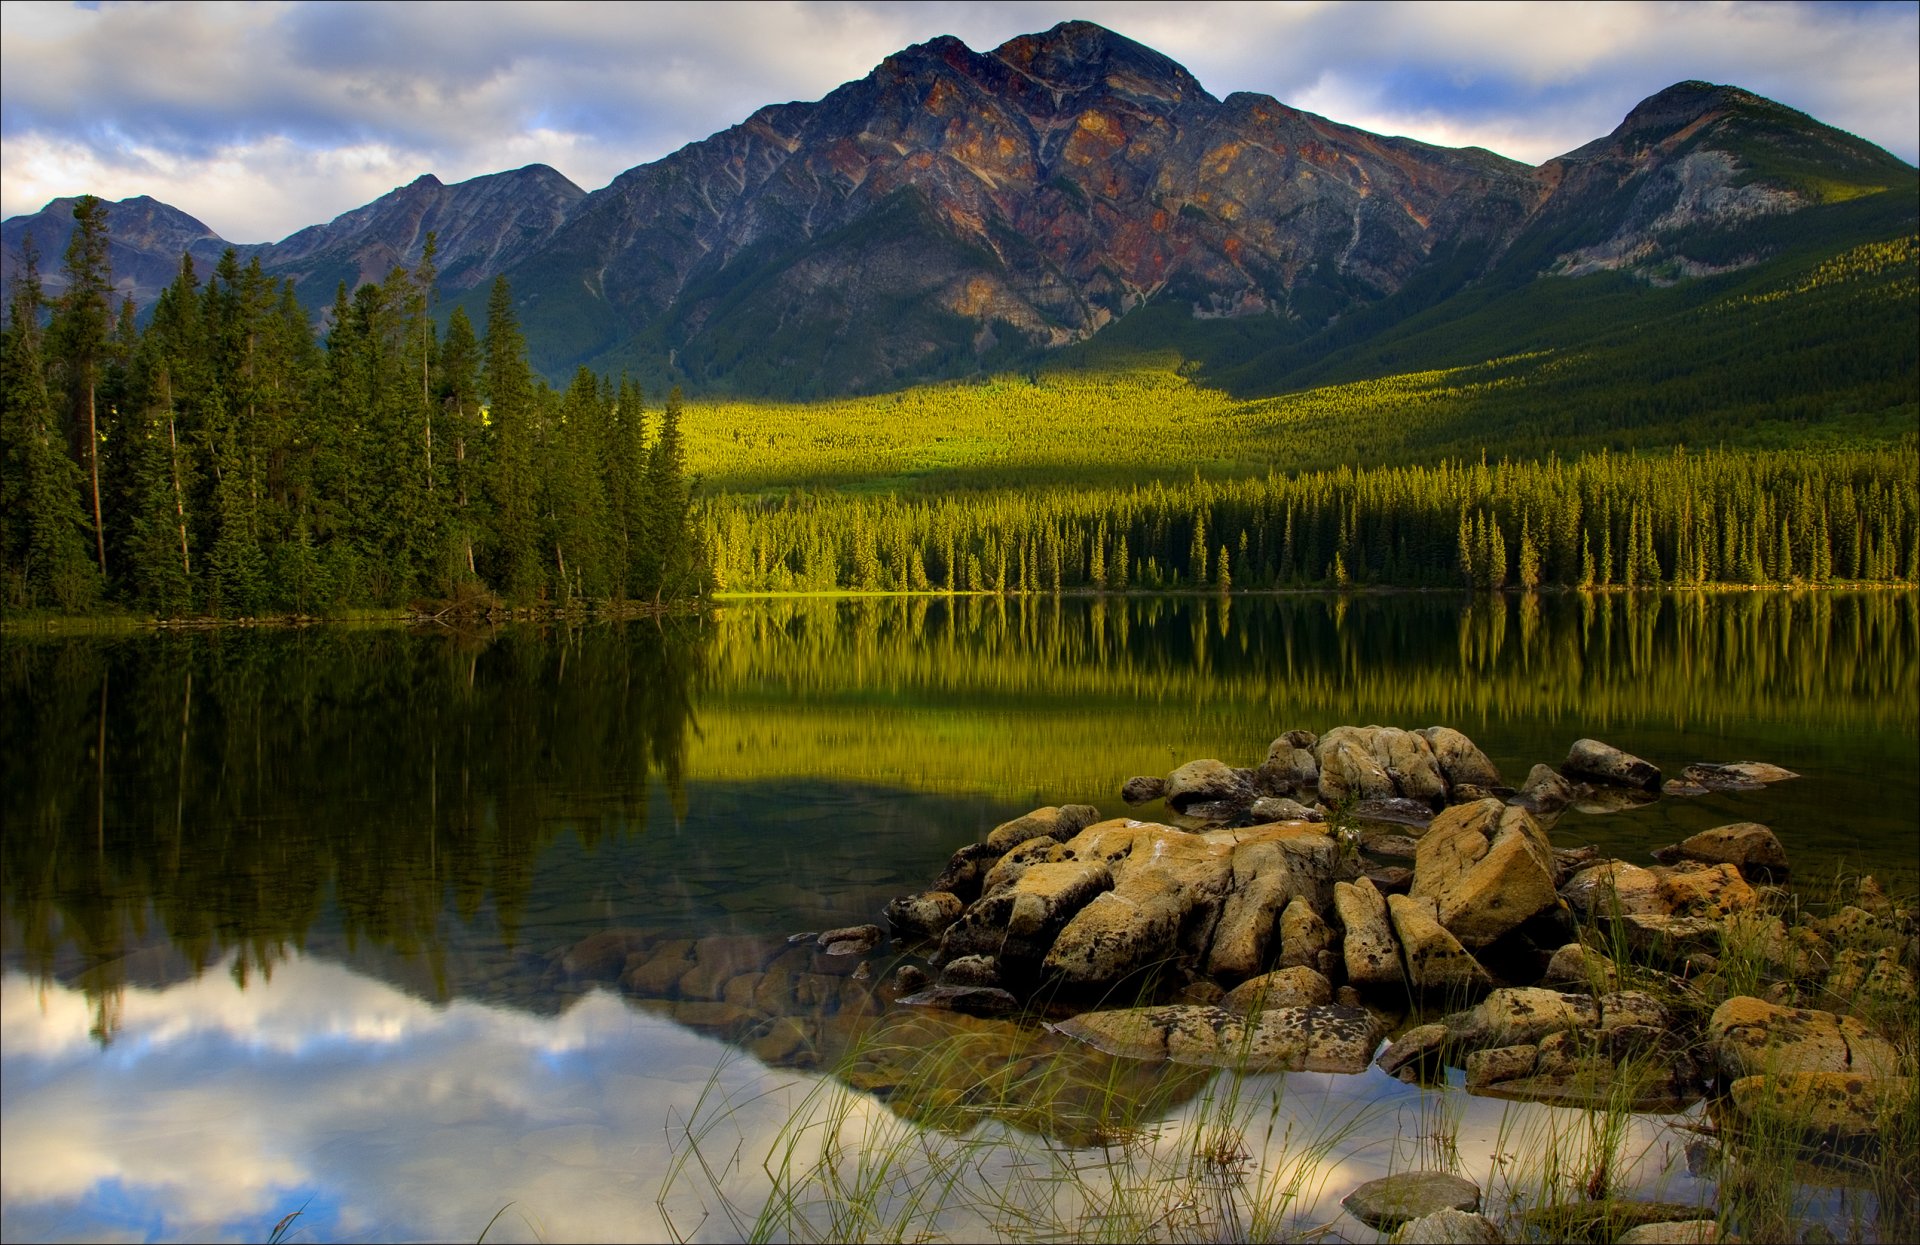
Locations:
(510, 426)
(82, 319)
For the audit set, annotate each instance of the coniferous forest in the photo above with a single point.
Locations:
(225, 459)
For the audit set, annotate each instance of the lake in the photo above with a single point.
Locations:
(283, 909)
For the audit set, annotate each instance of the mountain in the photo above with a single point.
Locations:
(145, 241)
(482, 225)
(1074, 192)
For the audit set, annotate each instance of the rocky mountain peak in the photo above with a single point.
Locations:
(1075, 56)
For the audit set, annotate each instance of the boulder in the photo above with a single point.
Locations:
(603, 956)
(1016, 920)
(1348, 767)
(1598, 762)
(1500, 1063)
(1289, 766)
(1372, 957)
(1059, 824)
(1142, 788)
(1391, 1201)
(1518, 1015)
(1207, 781)
(974, 1000)
(1545, 793)
(1487, 867)
(1409, 760)
(925, 915)
(1752, 1037)
(1577, 965)
(1461, 761)
(1663, 936)
(1284, 987)
(1320, 1039)
(1613, 888)
(1262, 886)
(1838, 1104)
(1746, 845)
(1418, 1053)
(855, 939)
(1436, 963)
(1303, 935)
(1711, 891)
(719, 959)
(970, 970)
(966, 871)
(1448, 1227)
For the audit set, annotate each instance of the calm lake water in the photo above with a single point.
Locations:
(280, 909)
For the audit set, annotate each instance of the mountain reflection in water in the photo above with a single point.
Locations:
(280, 908)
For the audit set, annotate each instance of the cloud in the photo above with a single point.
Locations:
(261, 119)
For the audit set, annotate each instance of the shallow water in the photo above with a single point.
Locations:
(279, 908)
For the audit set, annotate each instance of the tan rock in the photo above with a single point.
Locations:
(1460, 759)
(1711, 891)
(1516, 1015)
(1289, 766)
(1206, 781)
(1320, 1039)
(1303, 935)
(1348, 767)
(1285, 987)
(1436, 963)
(1408, 759)
(1500, 1063)
(1591, 759)
(1054, 822)
(1753, 1037)
(1843, 1103)
(1747, 845)
(1372, 956)
(1262, 886)
(1579, 965)
(1488, 868)
(1611, 887)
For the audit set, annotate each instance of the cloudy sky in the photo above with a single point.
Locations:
(263, 118)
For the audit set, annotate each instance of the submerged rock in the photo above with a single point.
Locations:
(1448, 1227)
(1390, 1201)
(974, 1000)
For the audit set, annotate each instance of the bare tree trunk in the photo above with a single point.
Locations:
(93, 467)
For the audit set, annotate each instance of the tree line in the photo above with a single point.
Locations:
(224, 459)
(1600, 521)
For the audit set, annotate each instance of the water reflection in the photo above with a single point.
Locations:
(305, 890)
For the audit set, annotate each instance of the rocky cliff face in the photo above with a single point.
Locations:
(145, 241)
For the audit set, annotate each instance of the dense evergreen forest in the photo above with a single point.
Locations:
(222, 460)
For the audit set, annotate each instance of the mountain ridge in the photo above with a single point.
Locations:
(954, 210)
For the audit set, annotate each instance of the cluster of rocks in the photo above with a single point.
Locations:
(1264, 930)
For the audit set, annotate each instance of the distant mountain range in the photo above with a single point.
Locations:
(956, 210)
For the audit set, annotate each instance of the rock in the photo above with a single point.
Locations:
(1436, 963)
(1613, 888)
(966, 870)
(1599, 762)
(1633, 1009)
(925, 915)
(1348, 769)
(1285, 987)
(1207, 781)
(1545, 793)
(1059, 824)
(1711, 891)
(1681, 787)
(1164, 881)
(1448, 1227)
(1289, 766)
(1278, 808)
(1857, 927)
(1663, 936)
(603, 956)
(1303, 935)
(1752, 1037)
(861, 938)
(1017, 920)
(1262, 886)
(974, 1000)
(1672, 1232)
(719, 959)
(1317, 1039)
(970, 970)
(1487, 867)
(1390, 879)
(1568, 861)
(1142, 788)
(1417, 1054)
(1839, 1104)
(908, 978)
(1391, 1201)
(658, 974)
(1394, 845)
(1735, 775)
(1461, 761)
(1500, 1063)
(1517, 1015)
(1372, 957)
(1747, 845)
(1577, 965)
